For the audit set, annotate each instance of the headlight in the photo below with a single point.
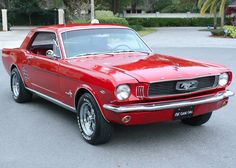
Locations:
(223, 79)
(123, 92)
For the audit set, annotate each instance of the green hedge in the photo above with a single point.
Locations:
(114, 20)
(169, 22)
(136, 27)
(82, 21)
(107, 20)
(104, 14)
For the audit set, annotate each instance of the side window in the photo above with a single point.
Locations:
(44, 41)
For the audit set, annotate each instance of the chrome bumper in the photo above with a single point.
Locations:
(155, 107)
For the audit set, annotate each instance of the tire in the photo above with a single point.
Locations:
(19, 93)
(93, 127)
(198, 120)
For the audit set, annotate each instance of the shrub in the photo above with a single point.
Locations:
(81, 21)
(137, 27)
(159, 22)
(165, 22)
(231, 31)
(106, 20)
(218, 32)
(103, 14)
(114, 20)
(203, 21)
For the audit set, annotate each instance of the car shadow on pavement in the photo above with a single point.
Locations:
(168, 132)
(52, 110)
(158, 133)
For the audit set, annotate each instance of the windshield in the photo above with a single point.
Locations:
(101, 41)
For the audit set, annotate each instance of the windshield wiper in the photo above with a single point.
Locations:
(88, 54)
(112, 54)
(145, 52)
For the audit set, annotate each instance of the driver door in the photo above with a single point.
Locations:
(43, 70)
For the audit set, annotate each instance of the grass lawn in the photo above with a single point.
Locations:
(146, 31)
(204, 29)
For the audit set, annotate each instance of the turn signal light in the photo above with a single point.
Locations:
(126, 119)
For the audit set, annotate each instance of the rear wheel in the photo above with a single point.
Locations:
(198, 120)
(19, 93)
(93, 127)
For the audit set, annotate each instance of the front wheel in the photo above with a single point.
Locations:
(93, 127)
(198, 120)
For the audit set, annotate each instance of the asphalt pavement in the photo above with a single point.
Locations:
(40, 134)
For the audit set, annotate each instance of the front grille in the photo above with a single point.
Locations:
(169, 87)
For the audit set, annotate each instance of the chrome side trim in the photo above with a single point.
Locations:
(155, 107)
(57, 102)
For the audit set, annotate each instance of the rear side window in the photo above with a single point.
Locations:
(44, 41)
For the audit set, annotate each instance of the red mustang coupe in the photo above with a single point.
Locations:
(107, 74)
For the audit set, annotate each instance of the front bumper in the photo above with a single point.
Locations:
(155, 107)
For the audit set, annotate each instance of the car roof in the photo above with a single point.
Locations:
(68, 27)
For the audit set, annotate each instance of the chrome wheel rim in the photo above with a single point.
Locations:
(87, 118)
(15, 85)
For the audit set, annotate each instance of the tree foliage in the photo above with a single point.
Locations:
(176, 6)
(73, 8)
(117, 6)
(26, 6)
(58, 3)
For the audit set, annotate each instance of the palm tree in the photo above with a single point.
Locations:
(213, 6)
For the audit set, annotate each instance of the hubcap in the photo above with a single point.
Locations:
(87, 118)
(15, 85)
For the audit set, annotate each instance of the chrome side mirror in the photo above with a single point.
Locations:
(50, 54)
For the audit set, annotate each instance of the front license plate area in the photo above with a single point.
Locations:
(183, 112)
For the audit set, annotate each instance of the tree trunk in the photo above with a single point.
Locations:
(30, 23)
(115, 6)
(223, 18)
(73, 8)
(133, 7)
(215, 18)
(5, 4)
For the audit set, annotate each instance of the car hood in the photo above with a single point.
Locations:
(148, 68)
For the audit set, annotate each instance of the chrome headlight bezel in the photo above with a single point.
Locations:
(223, 79)
(123, 92)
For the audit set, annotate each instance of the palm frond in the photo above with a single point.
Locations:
(200, 3)
(205, 7)
(213, 6)
(222, 7)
